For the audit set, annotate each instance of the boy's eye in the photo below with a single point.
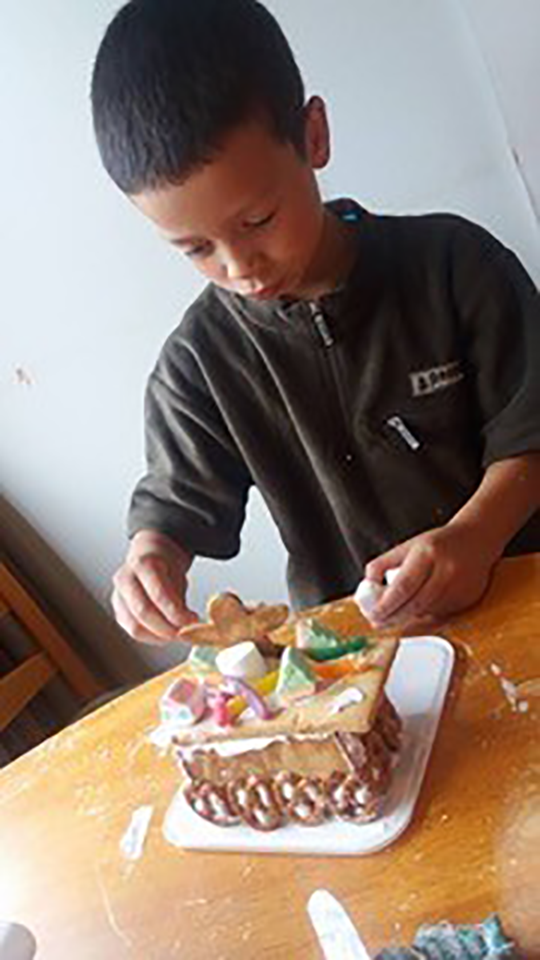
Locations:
(256, 222)
(202, 251)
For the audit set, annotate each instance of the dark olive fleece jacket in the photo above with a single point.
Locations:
(363, 418)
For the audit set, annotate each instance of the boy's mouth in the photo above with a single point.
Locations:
(259, 293)
(267, 293)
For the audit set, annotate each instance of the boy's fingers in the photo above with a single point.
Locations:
(423, 604)
(128, 622)
(140, 605)
(376, 569)
(414, 572)
(165, 595)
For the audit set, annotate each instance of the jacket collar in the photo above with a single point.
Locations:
(358, 287)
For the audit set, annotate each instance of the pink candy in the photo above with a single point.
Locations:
(217, 701)
(184, 702)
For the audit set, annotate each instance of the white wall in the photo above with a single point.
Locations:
(509, 38)
(88, 293)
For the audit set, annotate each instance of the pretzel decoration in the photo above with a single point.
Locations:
(210, 801)
(254, 800)
(230, 622)
(308, 803)
(266, 803)
(350, 798)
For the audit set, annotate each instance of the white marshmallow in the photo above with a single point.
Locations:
(368, 594)
(391, 575)
(243, 660)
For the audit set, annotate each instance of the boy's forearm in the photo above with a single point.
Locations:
(508, 495)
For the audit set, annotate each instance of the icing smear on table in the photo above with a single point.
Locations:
(510, 690)
(132, 843)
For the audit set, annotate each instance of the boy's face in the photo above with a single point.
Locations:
(252, 219)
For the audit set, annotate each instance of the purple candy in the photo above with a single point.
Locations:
(254, 699)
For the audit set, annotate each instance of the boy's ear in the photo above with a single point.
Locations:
(317, 133)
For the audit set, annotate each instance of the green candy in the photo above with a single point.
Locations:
(203, 658)
(354, 645)
(322, 643)
(296, 678)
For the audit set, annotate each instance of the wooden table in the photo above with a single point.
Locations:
(473, 848)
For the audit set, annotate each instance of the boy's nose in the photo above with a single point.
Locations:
(239, 265)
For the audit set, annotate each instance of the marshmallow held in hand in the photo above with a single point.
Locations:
(369, 592)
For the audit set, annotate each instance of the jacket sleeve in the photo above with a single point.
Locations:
(499, 316)
(196, 486)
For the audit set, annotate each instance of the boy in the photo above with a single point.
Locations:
(373, 376)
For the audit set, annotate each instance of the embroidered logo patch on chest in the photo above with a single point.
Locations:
(436, 378)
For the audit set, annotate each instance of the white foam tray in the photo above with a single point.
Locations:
(417, 685)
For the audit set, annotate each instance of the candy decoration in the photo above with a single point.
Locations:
(296, 678)
(352, 645)
(241, 660)
(341, 667)
(203, 658)
(266, 684)
(322, 643)
(184, 703)
(312, 635)
(253, 698)
(218, 702)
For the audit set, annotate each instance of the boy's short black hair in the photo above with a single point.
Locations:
(173, 77)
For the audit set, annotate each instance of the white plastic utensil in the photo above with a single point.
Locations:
(337, 934)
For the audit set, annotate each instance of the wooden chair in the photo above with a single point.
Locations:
(53, 656)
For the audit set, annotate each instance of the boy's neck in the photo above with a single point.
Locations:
(334, 258)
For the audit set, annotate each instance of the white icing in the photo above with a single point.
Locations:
(346, 699)
(232, 748)
(162, 736)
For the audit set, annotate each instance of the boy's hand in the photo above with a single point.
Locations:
(150, 589)
(441, 572)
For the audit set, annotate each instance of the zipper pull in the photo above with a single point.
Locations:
(400, 427)
(323, 329)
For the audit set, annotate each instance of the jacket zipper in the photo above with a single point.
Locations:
(321, 325)
(401, 428)
(327, 339)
